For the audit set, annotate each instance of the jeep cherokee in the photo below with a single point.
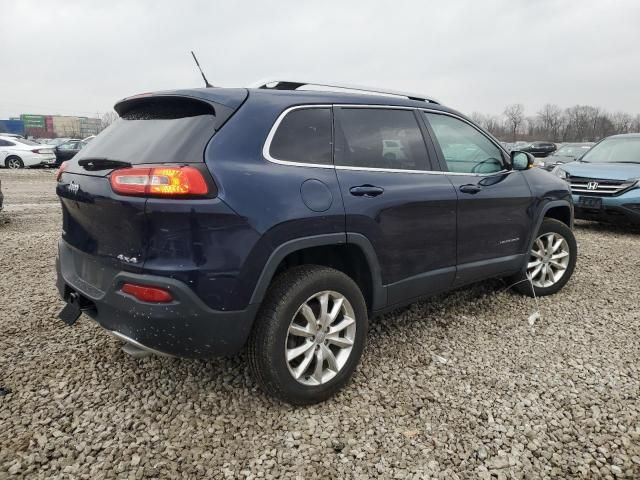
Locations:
(204, 220)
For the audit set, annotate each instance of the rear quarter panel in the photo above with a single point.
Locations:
(266, 196)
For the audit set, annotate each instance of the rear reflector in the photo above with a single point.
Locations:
(159, 181)
(145, 293)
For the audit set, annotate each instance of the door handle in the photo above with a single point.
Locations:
(366, 191)
(472, 189)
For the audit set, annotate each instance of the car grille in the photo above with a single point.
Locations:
(598, 187)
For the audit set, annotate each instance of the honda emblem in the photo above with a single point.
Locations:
(592, 186)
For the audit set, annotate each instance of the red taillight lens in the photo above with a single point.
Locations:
(61, 169)
(159, 181)
(145, 293)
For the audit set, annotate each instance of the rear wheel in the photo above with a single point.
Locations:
(551, 261)
(309, 335)
(14, 162)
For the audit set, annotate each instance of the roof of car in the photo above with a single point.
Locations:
(625, 135)
(234, 97)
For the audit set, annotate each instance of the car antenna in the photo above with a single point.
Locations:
(206, 82)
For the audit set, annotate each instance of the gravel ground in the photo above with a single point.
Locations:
(458, 387)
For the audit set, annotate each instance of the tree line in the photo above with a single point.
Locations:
(580, 123)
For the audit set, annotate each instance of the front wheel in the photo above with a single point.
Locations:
(551, 261)
(309, 335)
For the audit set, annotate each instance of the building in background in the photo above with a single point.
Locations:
(52, 126)
(89, 126)
(34, 125)
(12, 125)
(48, 123)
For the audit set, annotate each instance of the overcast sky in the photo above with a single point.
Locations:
(79, 57)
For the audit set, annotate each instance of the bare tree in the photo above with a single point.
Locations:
(551, 120)
(107, 119)
(579, 123)
(515, 117)
(622, 122)
(579, 117)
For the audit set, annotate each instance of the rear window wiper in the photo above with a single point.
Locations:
(96, 164)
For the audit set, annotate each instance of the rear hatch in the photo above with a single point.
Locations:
(163, 131)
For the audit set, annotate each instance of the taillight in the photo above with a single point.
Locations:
(145, 293)
(159, 181)
(61, 169)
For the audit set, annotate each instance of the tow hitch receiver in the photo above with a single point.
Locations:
(72, 310)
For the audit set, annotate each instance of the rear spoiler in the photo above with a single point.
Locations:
(221, 102)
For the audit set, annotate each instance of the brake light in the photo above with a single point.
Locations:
(159, 181)
(61, 169)
(145, 293)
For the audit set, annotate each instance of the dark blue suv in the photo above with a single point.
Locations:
(205, 220)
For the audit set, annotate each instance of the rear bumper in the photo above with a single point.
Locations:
(48, 160)
(185, 327)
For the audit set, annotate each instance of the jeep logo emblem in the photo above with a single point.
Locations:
(592, 186)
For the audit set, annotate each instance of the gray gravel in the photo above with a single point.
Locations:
(458, 387)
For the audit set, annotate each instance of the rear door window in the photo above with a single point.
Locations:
(303, 136)
(381, 138)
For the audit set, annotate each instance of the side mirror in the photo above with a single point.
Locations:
(521, 160)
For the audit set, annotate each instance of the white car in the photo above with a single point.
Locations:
(20, 153)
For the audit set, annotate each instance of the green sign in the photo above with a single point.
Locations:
(33, 121)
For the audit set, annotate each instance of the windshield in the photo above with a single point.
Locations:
(614, 150)
(572, 150)
(25, 141)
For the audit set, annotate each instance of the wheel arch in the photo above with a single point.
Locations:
(561, 210)
(352, 254)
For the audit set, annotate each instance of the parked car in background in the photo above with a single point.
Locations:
(58, 141)
(12, 135)
(20, 153)
(605, 181)
(88, 139)
(163, 247)
(539, 149)
(67, 150)
(567, 152)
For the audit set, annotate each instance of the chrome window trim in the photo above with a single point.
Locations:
(267, 144)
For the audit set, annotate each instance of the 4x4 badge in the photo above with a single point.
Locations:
(73, 187)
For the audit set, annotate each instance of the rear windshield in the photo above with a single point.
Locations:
(156, 131)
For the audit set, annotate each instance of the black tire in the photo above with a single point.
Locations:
(549, 225)
(268, 341)
(13, 160)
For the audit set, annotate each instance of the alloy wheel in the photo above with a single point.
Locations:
(549, 260)
(13, 163)
(320, 338)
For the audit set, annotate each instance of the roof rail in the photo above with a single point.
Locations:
(274, 84)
